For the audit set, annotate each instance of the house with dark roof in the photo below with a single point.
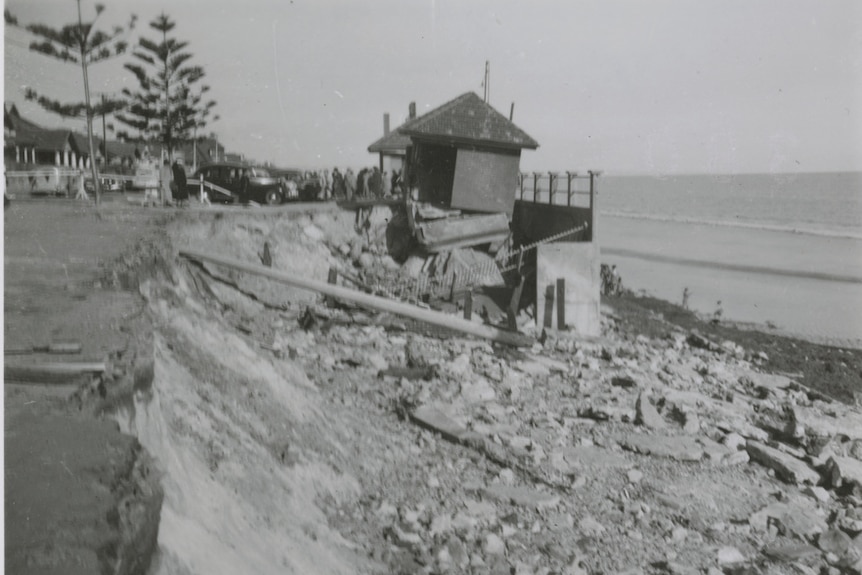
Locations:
(392, 147)
(465, 155)
(26, 143)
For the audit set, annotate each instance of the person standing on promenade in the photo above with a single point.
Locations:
(349, 184)
(337, 184)
(375, 183)
(396, 182)
(387, 185)
(166, 176)
(327, 185)
(361, 178)
(182, 193)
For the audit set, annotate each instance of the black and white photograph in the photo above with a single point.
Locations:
(564, 287)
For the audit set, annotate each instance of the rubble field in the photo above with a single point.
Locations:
(298, 435)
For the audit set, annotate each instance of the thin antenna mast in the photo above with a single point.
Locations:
(487, 82)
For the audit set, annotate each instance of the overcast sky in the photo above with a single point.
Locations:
(712, 86)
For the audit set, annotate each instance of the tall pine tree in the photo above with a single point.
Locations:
(80, 44)
(169, 105)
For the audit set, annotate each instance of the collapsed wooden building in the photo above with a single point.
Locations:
(461, 167)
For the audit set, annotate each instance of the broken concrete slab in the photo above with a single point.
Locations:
(646, 413)
(581, 458)
(728, 556)
(433, 419)
(789, 552)
(799, 520)
(835, 541)
(676, 447)
(477, 390)
(521, 496)
(785, 466)
(843, 470)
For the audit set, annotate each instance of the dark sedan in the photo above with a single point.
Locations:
(234, 181)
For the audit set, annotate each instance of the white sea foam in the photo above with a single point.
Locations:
(793, 229)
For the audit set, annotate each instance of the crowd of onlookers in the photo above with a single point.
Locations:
(368, 183)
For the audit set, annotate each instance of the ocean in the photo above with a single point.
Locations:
(778, 250)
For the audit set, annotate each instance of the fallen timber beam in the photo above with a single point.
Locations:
(53, 372)
(367, 300)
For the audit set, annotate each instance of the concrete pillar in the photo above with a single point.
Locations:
(594, 205)
(57, 157)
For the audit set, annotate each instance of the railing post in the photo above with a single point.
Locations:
(552, 177)
(570, 176)
(535, 186)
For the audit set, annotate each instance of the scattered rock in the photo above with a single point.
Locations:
(634, 476)
(678, 448)
(493, 545)
(590, 527)
(588, 457)
(432, 418)
(698, 340)
(789, 552)
(477, 390)
(799, 520)
(785, 466)
(835, 541)
(734, 441)
(624, 380)
(522, 496)
(844, 470)
(728, 556)
(646, 413)
(736, 458)
(818, 493)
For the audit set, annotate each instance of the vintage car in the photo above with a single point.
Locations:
(236, 181)
(307, 185)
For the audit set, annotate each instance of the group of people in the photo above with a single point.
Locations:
(172, 189)
(367, 183)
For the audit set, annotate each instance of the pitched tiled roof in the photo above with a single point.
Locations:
(393, 142)
(469, 119)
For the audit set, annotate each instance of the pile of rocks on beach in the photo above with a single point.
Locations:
(622, 454)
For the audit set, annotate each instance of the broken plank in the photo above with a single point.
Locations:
(367, 300)
(51, 372)
(411, 373)
(56, 347)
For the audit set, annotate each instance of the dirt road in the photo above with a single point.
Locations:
(79, 495)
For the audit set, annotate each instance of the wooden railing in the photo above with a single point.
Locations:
(555, 188)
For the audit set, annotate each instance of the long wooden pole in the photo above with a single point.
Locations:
(370, 301)
(51, 372)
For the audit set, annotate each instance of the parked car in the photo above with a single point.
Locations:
(308, 186)
(236, 181)
(108, 185)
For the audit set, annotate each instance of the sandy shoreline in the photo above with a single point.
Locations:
(810, 299)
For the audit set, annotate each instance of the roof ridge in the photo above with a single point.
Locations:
(469, 118)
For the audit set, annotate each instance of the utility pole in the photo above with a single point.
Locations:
(83, 40)
(104, 133)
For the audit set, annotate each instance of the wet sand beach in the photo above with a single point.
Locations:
(806, 285)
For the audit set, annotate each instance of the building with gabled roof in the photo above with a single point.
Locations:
(471, 121)
(465, 155)
(25, 142)
(392, 146)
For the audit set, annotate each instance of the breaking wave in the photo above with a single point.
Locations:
(830, 233)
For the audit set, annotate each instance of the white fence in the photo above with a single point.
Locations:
(66, 182)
